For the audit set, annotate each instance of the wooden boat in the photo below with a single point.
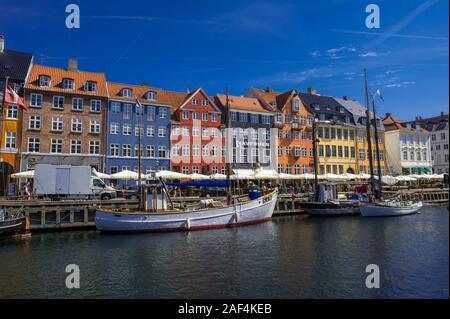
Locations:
(207, 215)
(390, 208)
(11, 225)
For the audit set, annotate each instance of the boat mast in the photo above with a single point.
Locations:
(377, 147)
(139, 122)
(316, 160)
(229, 149)
(369, 140)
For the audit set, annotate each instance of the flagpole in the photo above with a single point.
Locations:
(377, 147)
(369, 139)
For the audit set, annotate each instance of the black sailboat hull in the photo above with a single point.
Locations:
(330, 208)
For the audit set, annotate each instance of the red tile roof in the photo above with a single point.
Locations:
(162, 96)
(58, 74)
(242, 103)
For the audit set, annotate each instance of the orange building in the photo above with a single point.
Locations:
(293, 122)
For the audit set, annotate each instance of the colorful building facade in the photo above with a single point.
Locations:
(125, 120)
(336, 132)
(64, 121)
(293, 123)
(197, 142)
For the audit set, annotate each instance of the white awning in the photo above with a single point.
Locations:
(197, 177)
(25, 174)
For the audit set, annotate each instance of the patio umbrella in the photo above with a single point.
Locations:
(388, 180)
(171, 175)
(196, 177)
(25, 174)
(402, 178)
(100, 175)
(218, 176)
(350, 176)
(126, 175)
(243, 174)
(307, 176)
(266, 174)
(334, 177)
(288, 176)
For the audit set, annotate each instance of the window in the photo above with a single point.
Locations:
(94, 147)
(161, 131)
(90, 86)
(195, 131)
(10, 139)
(162, 151)
(77, 104)
(233, 116)
(196, 150)
(360, 137)
(411, 156)
(95, 127)
(44, 80)
(34, 144)
(35, 100)
(254, 118)
(304, 151)
(126, 92)
(126, 129)
(58, 102)
(75, 147)
(138, 129)
(327, 132)
(185, 169)
(136, 150)
(126, 150)
(280, 168)
(340, 151)
(151, 95)
(243, 117)
(151, 113)
(114, 149)
(150, 131)
(287, 118)
(204, 116)
(96, 106)
(57, 124)
(185, 131)
(278, 117)
(162, 112)
(214, 117)
(215, 150)
(56, 145)
(351, 135)
(204, 132)
(265, 119)
(77, 125)
(205, 102)
(68, 84)
(34, 122)
(115, 107)
(333, 151)
(114, 128)
(150, 151)
(127, 111)
(362, 154)
(12, 112)
(185, 115)
(195, 101)
(321, 151)
(176, 149)
(297, 169)
(214, 132)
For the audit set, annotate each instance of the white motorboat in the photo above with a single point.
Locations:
(390, 208)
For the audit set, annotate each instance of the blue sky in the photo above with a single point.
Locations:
(180, 45)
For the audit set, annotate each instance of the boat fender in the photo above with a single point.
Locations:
(236, 217)
(188, 223)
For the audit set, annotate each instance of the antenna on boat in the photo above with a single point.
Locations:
(139, 112)
(369, 140)
(228, 135)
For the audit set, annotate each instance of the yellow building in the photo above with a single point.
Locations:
(337, 148)
(10, 136)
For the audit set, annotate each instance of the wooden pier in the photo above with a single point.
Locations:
(66, 214)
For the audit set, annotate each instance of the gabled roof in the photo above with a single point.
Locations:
(176, 99)
(58, 74)
(392, 124)
(280, 98)
(139, 91)
(192, 94)
(241, 103)
(15, 64)
(358, 111)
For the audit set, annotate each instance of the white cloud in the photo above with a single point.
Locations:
(368, 54)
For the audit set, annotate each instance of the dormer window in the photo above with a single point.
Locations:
(295, 105)
(127, 92)
(316, 106)
(90, 86)
(274, 103)
(341, 109)
(44, 80)
(151, 96)
(68, 84)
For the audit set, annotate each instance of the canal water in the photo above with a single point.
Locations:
(290, 257)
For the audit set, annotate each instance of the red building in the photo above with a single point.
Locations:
(197, 145)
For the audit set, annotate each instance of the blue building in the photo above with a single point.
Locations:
(124, 125)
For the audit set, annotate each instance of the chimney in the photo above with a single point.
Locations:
(269, 89)
(2, 43)
(388, 114)
(312, 90)
(145, 84)
(442, 113)
(72, 65)
(346, 98)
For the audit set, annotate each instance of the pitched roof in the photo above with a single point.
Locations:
(392, 124)
(15, 64)
(280, 98)
(139, 91)
(176, 99)
(357, 110)
(58, 74)
(432, 123)
(242, 103)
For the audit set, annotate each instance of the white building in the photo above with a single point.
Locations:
(438, 129)
(408, 149)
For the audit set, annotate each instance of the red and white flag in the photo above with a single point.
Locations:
(12, 97)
